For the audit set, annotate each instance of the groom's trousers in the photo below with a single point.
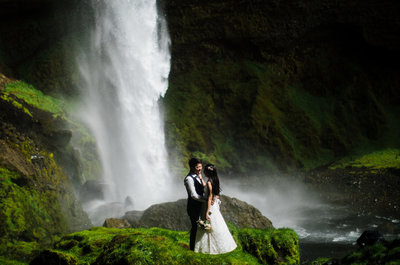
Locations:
(193, 230)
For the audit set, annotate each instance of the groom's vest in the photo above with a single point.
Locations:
(193, 206)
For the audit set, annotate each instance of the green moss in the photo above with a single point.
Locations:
(162, 246)
(389, 158)
(6, 96)
(375, 254)
(320, 261)
(18, 252)
(37, 205)
(271, 246)
(304, 108)
(34, 97)
(5, 261)
(28, 213)
(83, 141)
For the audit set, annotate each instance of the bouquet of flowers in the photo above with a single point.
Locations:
(204, 225)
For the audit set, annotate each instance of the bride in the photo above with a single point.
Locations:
(218, 239)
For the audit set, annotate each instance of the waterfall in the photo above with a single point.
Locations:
(125, 71)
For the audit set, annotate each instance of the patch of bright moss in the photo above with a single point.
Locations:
(34, 97)
(271, 246)
(28, 213)
(161, 246)
(388, 158)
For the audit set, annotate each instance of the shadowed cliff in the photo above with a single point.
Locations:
(282, 84)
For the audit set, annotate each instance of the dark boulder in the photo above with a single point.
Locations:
(92, 190)
(243, 214)
(369, 238)
(133, 217)
(172, 215)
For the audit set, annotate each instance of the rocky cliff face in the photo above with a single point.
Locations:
(38, 203)
(281, 84)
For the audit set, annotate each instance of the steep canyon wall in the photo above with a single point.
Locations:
(281, 84)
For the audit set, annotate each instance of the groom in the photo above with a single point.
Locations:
(195, 190)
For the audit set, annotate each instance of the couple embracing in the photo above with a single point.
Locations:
(203, 206)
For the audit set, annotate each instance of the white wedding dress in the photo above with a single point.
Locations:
(218, 239)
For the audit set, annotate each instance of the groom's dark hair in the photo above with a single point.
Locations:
(193, 162)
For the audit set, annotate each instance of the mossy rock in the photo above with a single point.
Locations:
(33, 97)
(38, 204)
(170, 215)
(51, 257)
(162, 246)
(271, 246)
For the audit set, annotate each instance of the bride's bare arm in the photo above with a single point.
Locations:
(210, 200)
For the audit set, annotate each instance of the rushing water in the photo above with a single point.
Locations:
(125, 71)
(324, 230)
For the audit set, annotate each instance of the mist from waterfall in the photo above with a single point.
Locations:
(125, 71)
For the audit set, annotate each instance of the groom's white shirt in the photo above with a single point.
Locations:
(189, 184)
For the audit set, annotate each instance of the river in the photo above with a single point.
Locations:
(325, 229)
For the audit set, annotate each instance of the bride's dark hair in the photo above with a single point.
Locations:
(211, 172)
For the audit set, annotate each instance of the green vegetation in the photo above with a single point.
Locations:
(85, 142)
(388, 158)
(388, 254)
(27, 216)
(162, 246)
(6, 97)
(271, 246)
(245, 115)
(15, 252)
(320, 261)
(33, 97)
(37, 203)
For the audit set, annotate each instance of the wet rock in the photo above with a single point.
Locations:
(133, 217)
(369, 238)
(243, 214)
(116, 223)
(172, 215)
(92, 190)
(98, 211)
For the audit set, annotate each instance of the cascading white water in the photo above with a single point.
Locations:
(126, 71)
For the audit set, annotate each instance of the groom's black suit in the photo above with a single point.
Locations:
(195, 199)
